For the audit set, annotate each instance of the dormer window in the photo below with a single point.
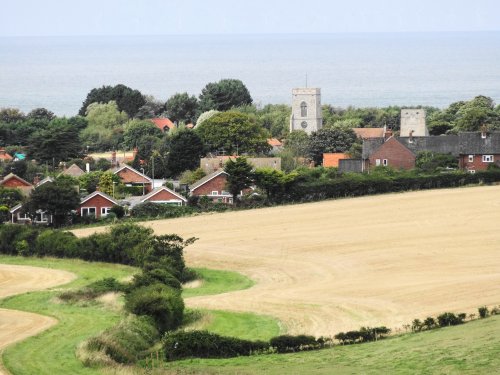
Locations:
(303, 109)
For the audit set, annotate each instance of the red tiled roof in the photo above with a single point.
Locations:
(369, 132)
(332, 159)
(162, 123)
(274, 142)
(4, 155)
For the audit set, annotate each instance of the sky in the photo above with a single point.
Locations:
(187, 17)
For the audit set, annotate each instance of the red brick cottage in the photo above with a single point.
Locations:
(96, 204)
(479, 150)
(212, 186)
(132, 177)
(15, 182)
(164, 195)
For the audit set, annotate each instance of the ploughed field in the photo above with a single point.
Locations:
(337, 265)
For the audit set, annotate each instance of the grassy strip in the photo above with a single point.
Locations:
(217, 282)
(471, 348)
(53, 351)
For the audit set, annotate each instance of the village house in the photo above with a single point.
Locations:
(73, 171)
(4, 156)
(163, 195)
(97, 204)
(132, 177)
(478, 150)
(15, 182)
(164, 124)
(331, 160)
(212, 186)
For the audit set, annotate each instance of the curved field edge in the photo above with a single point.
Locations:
(53, 351)
(472, 348)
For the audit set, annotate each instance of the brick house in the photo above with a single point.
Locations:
(479, 150)
(15, 182)
(212, 186)
(331, 160)
(97, 204)
(164, 195)
(164, 124)
(131, 177)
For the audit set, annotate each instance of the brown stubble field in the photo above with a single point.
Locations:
(336, 265)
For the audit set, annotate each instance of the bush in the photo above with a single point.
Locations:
(160, 302)
(18, 239)
(155, 276)
(150, 209)
(483, 312)
(56, 243)
(203, 344)
(287, 343)
(93, 290)
(125, 343)
(119, 211)
(449, 319)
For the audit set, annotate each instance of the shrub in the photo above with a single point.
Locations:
(125, 343)
(155, 276)
(483, 312)
(12, 234)
(288, 343)
(93, 290)
(56, 243)
(429, 323)
(203, 344)
(118, 210)
(160, 302)
(449, 319)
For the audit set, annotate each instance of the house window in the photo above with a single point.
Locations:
(215, 192)
(471, 158)
(105, 211)
(225, 192)
(88, 211)
(377, 162)
(384, 162)
(303, 109)
(487, 158)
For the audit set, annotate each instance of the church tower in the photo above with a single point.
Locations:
(413, 123)
(306, 110)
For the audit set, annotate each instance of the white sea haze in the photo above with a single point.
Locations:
(351, 69)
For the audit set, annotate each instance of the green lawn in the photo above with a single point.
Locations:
(473, 348)
(216, 282)
(53, 351)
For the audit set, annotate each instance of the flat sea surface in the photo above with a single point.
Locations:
(351, 69)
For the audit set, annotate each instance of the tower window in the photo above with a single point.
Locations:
(303, 109)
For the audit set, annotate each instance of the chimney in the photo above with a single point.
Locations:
(387, 133)
(113, 159)
(134, 152)
(484, 131)
(411, 137)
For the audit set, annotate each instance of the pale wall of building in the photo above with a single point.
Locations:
(413, 119)
(311, 119)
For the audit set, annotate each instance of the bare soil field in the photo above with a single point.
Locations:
(331, 266)
(18, 325)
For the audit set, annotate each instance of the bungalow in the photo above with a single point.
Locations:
(18, 216)
(164, 195)
(164, 124)
(131, 177)
(97, 204)
(212, 186)
(15, 182)
(73, 171)
(4, 156)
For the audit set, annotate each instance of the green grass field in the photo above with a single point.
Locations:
(473, 348)
(216, 282)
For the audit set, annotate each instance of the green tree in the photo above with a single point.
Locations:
(239, 176)
(297, 142)
(190, 177)
(136, 129)
(428, 161)
(41, 114)
(127, 99)
(105, 126)
(205, 116)
(224, 95)
(233, 132)
(182, 107)
(151, 109)
(335, 139)
(90, 181)
(106, 181)
(58, 142)
(275, 183)
(57, 198)
(11, 115)
(475, 113)
(186, 149)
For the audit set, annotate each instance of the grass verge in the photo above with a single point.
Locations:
(472, 348)
(217, 282)
(53, 351)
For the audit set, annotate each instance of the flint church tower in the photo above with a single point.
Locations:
(306, 110)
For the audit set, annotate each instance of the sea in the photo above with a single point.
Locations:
(361, 70)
